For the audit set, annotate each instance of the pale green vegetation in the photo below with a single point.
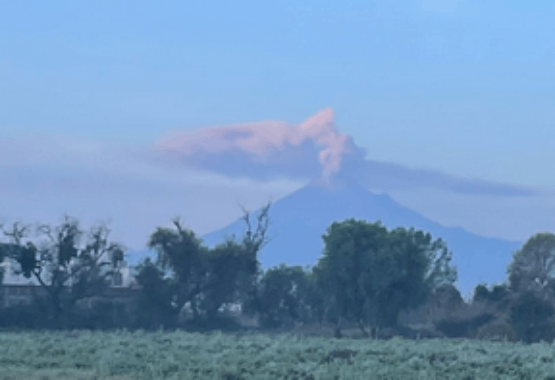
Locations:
(178, 355)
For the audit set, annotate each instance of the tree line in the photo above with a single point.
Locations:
(380, 282)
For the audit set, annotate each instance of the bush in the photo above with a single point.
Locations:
(463, 328)
(496, 330)
(221, 323)
(532, 317)
(417, 332)
(21, 316)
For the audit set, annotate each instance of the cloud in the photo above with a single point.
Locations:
(274, 149)
(387, 176)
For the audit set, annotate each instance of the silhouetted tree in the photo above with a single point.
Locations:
(207, 279)
(481, 293)
(284, 294)
(499, 296)
(155, 306)
(230, 271)
(67, 270)
(446, 297)
(180, 253)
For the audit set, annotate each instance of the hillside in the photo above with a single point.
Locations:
(299, 220)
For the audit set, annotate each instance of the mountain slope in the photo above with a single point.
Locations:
(300, 219)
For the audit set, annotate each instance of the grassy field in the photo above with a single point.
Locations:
(179, 355)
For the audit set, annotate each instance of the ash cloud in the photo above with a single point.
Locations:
(388, 176)
(275, 149)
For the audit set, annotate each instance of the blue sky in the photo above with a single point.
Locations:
(464, 87)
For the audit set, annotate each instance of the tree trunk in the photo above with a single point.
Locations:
(375, 331)
(361, 327)
(337, 332)
(194, 308)
(57, 311)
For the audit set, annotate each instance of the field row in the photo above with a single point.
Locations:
(179, 355)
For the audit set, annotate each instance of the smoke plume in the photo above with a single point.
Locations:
(263, 150)
(275, 149)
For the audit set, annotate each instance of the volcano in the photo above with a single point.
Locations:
(298, 221)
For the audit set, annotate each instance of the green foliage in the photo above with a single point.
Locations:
(231, 272)
(481, 293)
(284, 292)
(181, 253)
(367, 276)
(496, 330)
(371, 274)
(463, 327)
(208, 279)
(155, 305)
(446, 296)
(123, 355)
(533, 265)
(499, 296)
(24, 254)
(354, 267)
(532, 318)
(22, 317)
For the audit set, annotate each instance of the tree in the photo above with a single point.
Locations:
(351, 267)
(67, 270)
(155, 306)
(3, 253)
(230, 269)
(180, 253)
(284, 293)
(209, 278)
(532, 317)
(499, 296)
(446, 297)
(421, 266)
(372, 274)
(532, 288)
(532, 268)
(481, 293)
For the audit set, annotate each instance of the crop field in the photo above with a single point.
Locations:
(178, 355)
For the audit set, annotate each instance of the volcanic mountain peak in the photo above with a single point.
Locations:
(334, 183)
(341, 189)
(299, 220)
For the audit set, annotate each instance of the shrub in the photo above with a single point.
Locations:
(496, 330)
(531, 318)
(463, 327)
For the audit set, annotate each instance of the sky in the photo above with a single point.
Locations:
(139, 111)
